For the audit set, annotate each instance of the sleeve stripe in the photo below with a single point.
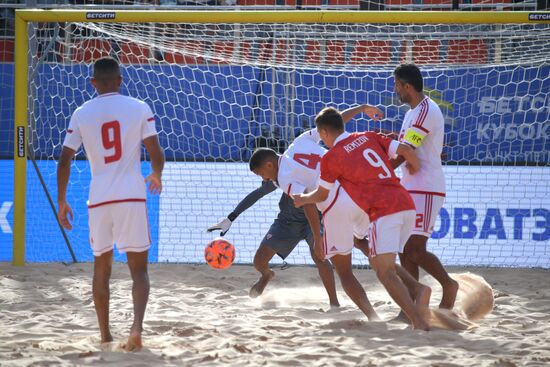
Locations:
(151, 119)
(289, 187)
(326, 184)
(423, 113)
(422, 128)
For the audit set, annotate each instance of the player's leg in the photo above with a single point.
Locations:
(352, 287)
(416, 254)
(362, 245)
(326, 273)
(281, 238)
(131, 233)
(415, 251)
(384, 266)
(100, 219)
(387, 238)
(137, 263)
(101, 293)
(263, 256)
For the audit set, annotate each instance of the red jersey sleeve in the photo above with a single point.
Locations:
(329, 171)
(383, 140)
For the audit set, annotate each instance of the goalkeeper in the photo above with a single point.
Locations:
(288, 229)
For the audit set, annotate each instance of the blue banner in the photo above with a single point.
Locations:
(493, 114)
(45, 242)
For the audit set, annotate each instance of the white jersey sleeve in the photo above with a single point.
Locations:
(73, 138)
(148, 123)
(311, 135)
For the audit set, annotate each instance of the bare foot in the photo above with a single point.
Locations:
(401, 318)
(107, 338)
(423, 294)
(258, 288)
(134, 341)
(373, 316)
(421, 325)
(449, 295)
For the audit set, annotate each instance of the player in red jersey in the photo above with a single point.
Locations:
(360, 162)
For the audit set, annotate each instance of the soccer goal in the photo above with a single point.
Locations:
(222, 83)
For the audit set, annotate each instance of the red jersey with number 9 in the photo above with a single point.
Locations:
(360, 162)
(111, 127)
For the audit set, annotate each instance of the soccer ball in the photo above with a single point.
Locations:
(219, 253)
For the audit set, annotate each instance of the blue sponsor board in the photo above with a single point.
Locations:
(493, 114)
(44, 240)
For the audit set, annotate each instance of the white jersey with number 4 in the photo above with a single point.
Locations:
(423, 128)
(112, 128)
(299, 166)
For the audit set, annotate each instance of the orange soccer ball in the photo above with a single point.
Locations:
(219, 253)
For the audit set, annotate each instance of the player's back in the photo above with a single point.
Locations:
(299, 166)
(360, 162)
(112, 127)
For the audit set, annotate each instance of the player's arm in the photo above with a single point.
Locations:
(312, 215)
(408, 154)
(224, 224)
(396, 162)
(316, 196)
(414, 136)
(64, 211)
(413, 139)
(371, 111)
(157, 163)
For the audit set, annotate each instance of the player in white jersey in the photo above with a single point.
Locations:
(112, 128)
(297, 171)
(423, 129)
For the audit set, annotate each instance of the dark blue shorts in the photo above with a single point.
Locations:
(283, 236)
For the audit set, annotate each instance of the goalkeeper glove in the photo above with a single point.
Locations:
(223, 225)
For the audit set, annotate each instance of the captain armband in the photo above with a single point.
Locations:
(414, 138)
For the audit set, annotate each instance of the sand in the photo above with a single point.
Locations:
(198, 316)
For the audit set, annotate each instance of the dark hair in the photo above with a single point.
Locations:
(410, 73)
(330, 118)
(260, 156)
(106, 69)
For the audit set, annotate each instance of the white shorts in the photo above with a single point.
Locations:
(427, 206)
(342, 220)
(125, 224)
(389, 234)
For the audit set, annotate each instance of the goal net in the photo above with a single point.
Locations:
(220, 90)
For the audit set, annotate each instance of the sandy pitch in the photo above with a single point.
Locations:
(201, 317)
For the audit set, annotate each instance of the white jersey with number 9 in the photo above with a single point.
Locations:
(112, 127)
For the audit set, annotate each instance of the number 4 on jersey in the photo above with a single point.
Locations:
(310, 161)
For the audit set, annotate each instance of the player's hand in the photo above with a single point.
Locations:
(155, 183)
(64, 212)
(223, 226)
(318, 250)
(299, 201)
(373, 112)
